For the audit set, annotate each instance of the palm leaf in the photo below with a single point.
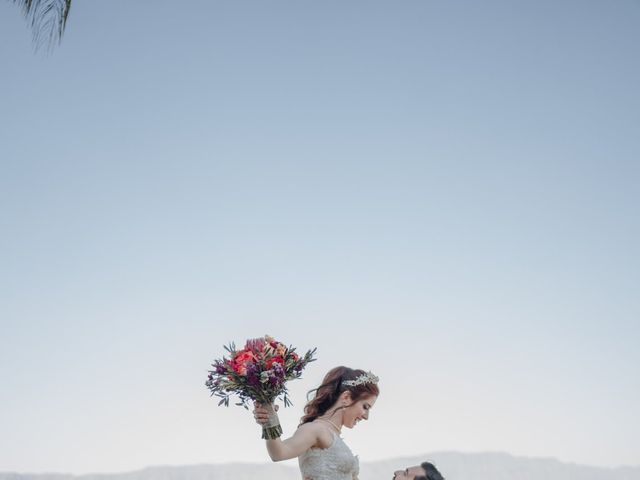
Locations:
(47, 18)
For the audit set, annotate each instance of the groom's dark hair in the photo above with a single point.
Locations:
(432, 472)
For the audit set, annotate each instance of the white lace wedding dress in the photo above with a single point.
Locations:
(333, 463)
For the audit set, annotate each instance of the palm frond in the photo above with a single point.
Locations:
(47, 19)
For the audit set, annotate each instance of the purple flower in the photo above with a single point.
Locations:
(220, 369)
(278, 370)
(253, 377)
(253, 380)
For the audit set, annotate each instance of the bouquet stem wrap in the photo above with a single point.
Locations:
(272, 429)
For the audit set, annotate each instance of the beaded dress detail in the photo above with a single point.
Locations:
(336, 462)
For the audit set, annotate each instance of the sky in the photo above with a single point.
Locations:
(444, 193)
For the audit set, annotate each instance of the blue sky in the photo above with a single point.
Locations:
(442, 192)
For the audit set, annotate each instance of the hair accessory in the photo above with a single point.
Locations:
(361, 380)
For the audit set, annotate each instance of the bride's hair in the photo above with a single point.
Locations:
(326, 395)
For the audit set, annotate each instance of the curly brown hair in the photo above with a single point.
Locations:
(326, 395)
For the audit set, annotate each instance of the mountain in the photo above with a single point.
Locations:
(453, 465)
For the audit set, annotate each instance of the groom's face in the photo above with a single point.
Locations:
(409, 473)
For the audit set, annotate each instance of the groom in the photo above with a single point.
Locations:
(424, 471)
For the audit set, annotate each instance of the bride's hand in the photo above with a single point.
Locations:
(261, 414)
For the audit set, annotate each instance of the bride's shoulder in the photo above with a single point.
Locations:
(319, 431)
(310, 427)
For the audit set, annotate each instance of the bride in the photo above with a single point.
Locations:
(344, 398)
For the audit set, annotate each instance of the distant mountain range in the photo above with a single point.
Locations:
(453, 465)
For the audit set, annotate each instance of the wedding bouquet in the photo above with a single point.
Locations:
(257, 372)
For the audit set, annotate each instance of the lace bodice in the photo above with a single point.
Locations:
(333, 463)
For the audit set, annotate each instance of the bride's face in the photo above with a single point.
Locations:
(358, 411)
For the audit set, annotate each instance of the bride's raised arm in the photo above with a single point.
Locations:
(305, 437)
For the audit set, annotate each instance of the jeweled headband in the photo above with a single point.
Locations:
(361, 380)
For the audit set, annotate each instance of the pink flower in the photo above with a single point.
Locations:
(255, 345)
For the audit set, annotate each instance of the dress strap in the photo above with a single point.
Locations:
(334, 427)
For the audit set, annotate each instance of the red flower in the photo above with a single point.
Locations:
(273, 360)
(244, 356)
(240, 361)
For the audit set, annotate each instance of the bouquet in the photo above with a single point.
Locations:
(258, 372)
